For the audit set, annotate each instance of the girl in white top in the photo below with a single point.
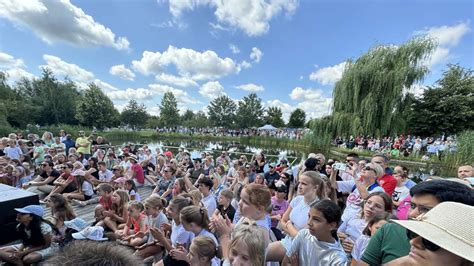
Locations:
(154, 206)
(372, 226)
(311, 188)
(376, 203)
(202, 251)
(318, 244)
(195, 219)
(179, 235)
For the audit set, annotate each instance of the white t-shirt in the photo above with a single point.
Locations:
(210, 203)
(87, 188)
(359, 247)
(299, 212)
(13, 153)
(155, 222)
(400, 193)
(353, 200)
(105, 176)
(179, 236)
(133, 193)
(353, 228)
(313, 252)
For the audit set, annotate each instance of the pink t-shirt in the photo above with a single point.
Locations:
(139, 176)
(404, 208)
(278, 208)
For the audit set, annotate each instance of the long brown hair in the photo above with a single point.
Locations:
(61, 210)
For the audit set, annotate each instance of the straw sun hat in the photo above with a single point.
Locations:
(448, 225)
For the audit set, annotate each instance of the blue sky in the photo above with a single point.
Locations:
(290, 52)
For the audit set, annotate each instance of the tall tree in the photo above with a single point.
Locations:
(447, 107)
(134, 114)
(274, 116)
(187, 116)
(199, 120)
(250, 111)
(169, 113)
(96, 109)
(297, 118)
(221, 111)
(369, 97)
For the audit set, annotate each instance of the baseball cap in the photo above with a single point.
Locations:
(77, 224)
(95, 233)
(32, 209)
(120, 180)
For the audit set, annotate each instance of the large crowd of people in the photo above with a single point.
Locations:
(290, 133)
(228, 210)
(401, 146)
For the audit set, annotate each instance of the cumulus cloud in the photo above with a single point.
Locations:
(234, 48)
(256, 54)
(286, 108)
(300, 94)
(245, 65)
(7, 61)
(312, 101)
(251, 87)
(122, 72)
(328, 75)
(251, 16)
(137, 94)
(14, 68)
(175, 80)
(60, 67)
(181, 96)
(189, 63)
(60, 21)
(211, 89)
(447, 38)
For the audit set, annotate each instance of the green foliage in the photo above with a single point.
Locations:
(134, 114)
(274, 116)
(198, 120)
(152, 122)
(447, 107)
(222, 111)
(297, 118)
(95, 109)
(250, 112)
(369, 97)
(169, 113)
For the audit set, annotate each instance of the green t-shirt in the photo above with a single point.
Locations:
(389, 242)
(40, 151)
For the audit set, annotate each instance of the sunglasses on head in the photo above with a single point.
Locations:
(426, 243)
(368, 168)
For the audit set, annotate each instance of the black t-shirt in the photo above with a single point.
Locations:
(271, 177)
(53, 173)
(230, 211)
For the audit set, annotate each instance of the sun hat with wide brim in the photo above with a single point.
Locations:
(133, 157)
(448, 225)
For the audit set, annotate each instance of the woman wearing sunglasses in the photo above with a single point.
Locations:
(442, 236)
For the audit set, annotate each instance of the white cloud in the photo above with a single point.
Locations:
(251, 16)
(251, 87)
(170, 24)
(60, 21)
(190, 63)
(154, 110)
(60, 67)
(447, 38)
(15, 74)
(122, 72)
(415, 89)
(312, 101)
(448, 35)
(211, 89)
(181, 96)
(175, 80)
(106, 87)
(234, 48)
(328, 75)
(138, 94)
(300, 94)
(7, 61)
(245, 65)
(256, 54)
(286, 108)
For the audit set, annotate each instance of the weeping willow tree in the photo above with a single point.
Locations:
(370, 97)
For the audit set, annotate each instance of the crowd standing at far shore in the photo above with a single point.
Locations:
(226, 210)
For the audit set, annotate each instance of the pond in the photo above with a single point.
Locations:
(272, 154)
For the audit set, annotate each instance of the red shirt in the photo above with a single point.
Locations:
(139, 176)
(388, 183)
(107, 204)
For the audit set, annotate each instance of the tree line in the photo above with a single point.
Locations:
(49, 101)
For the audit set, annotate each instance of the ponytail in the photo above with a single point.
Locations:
(195, 214)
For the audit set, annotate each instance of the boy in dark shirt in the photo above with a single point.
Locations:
(224, 207)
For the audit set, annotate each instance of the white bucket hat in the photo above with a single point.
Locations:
(95, 233)
(448, 225)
